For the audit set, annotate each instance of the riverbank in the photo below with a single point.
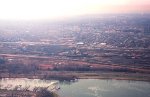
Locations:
(26, 93)
(16, 93)
(69, 75)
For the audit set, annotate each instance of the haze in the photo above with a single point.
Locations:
(54, 9)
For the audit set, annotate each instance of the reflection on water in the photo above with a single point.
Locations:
(24, 83)
(105, 88)
(84, 87)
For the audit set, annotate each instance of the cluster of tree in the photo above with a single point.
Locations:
(18, 68)
(45, 93)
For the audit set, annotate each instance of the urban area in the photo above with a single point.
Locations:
(98, 47)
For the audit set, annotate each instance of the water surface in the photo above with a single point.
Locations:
(84, 87)
(105, 88)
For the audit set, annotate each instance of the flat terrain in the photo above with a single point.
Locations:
(112, 46)
(101, 63)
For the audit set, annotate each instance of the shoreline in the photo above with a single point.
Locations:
(70, 76)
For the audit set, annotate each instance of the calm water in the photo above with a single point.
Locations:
(86, 87)
(105, 88)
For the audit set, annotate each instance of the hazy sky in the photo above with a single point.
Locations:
(43, 9)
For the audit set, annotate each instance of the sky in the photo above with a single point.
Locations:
(53, 9)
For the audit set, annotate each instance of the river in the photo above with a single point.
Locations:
(86, 87)
(105, 88)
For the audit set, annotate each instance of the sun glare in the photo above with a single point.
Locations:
(39, 9)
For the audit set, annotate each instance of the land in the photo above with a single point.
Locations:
(68, 68)
(26, 93)
(100, 47)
